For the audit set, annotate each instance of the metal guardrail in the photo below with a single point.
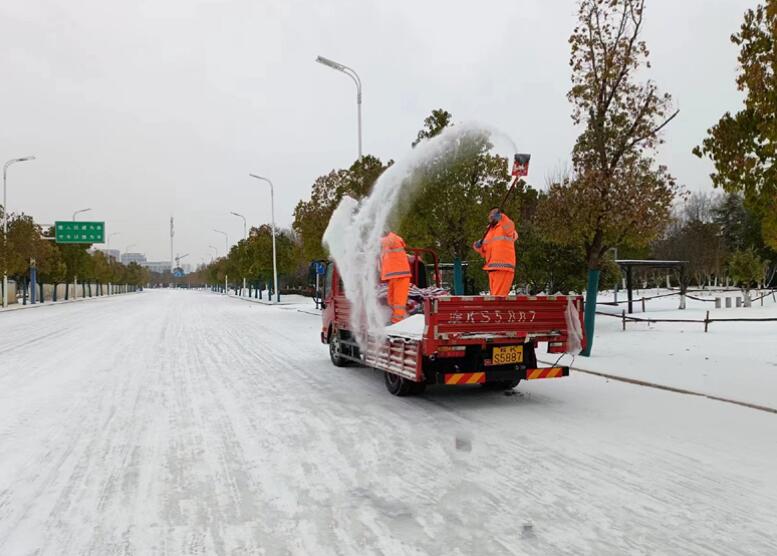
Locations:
(706, 321)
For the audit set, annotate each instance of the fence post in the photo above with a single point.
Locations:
(706, 322)
(718, 303)
(643, 304)
(458, 277)
(623, 316)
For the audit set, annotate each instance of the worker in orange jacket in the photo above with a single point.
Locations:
(395, 269)
(498, 250)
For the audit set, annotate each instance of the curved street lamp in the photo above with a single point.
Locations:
(245, 226)
(108, 240)
(355, 76)
(274, 257)
(76, 213)
(5, 224)
(226, 241)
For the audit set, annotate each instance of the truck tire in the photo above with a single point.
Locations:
(334, 351)
(399, 386)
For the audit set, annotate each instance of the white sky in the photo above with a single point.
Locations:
(151, 108)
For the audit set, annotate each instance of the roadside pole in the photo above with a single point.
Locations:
(33, 281)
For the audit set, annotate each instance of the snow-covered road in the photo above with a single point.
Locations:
(176, 422)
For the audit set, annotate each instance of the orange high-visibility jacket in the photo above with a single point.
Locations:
(393, 258)
(499, 246)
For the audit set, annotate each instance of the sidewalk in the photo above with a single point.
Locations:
(288, 302)
(19, 306)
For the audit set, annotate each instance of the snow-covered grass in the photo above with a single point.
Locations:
(734, 360)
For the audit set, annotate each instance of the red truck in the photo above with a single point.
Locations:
(465, 340)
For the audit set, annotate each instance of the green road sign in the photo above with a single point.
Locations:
(69, 231)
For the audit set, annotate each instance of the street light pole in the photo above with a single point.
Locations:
(274, 257)
(5, 225)
(355, 76)
(245, 236)
(79, 212)
(108, 246)
(226, 241)
(226, 253)
(75, 278)
(215, 250)
(245, 227)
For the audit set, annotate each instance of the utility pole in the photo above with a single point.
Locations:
(172, 234)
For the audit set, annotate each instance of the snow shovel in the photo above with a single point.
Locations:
(520, 170)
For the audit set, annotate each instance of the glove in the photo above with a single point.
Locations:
(478, 244)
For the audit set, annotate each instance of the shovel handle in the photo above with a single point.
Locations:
(504, 201)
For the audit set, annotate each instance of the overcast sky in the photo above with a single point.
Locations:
(145, 109)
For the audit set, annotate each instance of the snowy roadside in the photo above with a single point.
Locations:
(291, 302)
(734, 360)
(19, 306)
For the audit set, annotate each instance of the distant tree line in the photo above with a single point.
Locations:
(28, 243)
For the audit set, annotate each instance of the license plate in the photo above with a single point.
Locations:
(508, 355)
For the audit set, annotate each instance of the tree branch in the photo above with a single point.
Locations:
(653, 132)
(626, 56)
(637, 119)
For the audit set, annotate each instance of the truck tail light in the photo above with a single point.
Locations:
(451, 351)
(557, 347)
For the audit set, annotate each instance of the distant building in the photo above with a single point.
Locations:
(187, 268)
(157, 266)
(115, 254)
(127, 258)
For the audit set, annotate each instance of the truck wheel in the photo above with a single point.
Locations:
(335, 354)
(399, 386)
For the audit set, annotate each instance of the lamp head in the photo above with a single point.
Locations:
(331, 63)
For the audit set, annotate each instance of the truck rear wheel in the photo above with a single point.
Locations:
(399, 386)
(335, 351)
